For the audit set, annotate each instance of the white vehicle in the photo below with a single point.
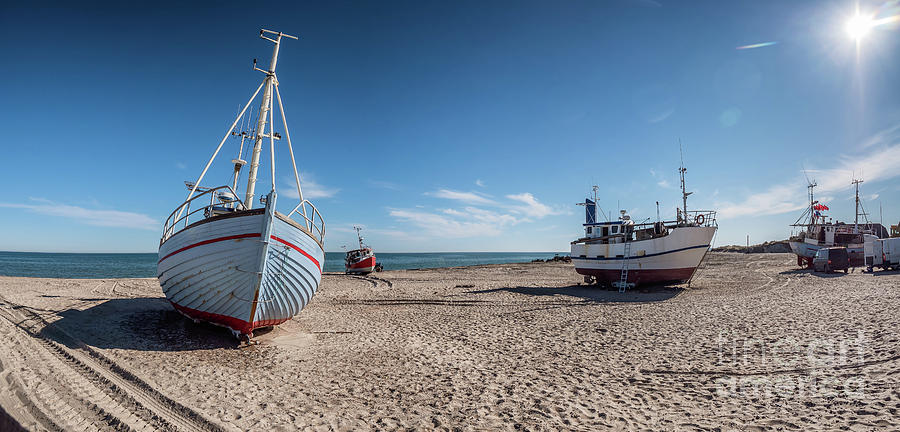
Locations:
(884, 253)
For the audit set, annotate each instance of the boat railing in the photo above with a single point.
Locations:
(701, 217)
(311, 218)
(182, 214)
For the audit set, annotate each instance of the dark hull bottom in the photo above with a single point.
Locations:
(641, 277)
(361, 271)
(235, 324)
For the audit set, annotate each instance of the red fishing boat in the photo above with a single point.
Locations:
(362, 260)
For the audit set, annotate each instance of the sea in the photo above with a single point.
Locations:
(143, 265)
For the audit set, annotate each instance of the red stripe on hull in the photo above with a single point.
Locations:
(363, 266)
(641, 277)
(368, 262)
(233, 323)
(294, 247)
(206, 242)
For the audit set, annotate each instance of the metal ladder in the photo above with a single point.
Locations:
(623, 280)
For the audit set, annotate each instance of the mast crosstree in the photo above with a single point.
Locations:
(265, 115)
(270, 90)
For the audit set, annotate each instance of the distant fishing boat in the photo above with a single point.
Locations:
(227, 263)
(624, 254)
(818, 231)
(362, 260)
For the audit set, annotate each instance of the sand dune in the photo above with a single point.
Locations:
(753, 344)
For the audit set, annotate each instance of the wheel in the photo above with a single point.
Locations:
(846, 271)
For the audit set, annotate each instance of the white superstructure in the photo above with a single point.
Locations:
(819, 231)
(623, 253)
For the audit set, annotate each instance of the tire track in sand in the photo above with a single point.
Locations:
(82, 387)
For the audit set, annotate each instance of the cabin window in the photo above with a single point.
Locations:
(589, 230)
(605, 232)
(615, 229)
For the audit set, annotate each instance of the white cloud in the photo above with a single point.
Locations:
(661, 116)
(471, 221)
(531, 207)
(663, 183)
(877, 165)
(348, 229)
(888, 136)
(481, 215)
(777, 199)
(880, 164)
(180, 165)
(311, 188)
(466, 197)
(479, 183)
(105, 218)
(441, 226)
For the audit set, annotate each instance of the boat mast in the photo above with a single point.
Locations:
(238, 163)
(265, 106)
(812, 212)
(684, 193)
(856, 183)
(358, 236)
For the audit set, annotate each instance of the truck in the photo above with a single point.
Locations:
(883, 253)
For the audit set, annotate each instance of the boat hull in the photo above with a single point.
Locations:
(365, 265)
(808, 249)
(243, 271)
(670, 259)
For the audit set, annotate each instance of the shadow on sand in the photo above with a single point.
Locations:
(815, 273)
(595, 294)
(143, 324)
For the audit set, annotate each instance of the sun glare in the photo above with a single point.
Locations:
(859, 26)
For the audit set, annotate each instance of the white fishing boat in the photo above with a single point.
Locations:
(360, 261)
(817, 231)
(623, 254)
(225, 262)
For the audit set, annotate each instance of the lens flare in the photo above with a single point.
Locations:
(859, 26)
(759, 45)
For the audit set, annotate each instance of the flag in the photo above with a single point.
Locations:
(590, 215)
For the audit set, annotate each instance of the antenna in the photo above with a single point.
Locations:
(681, 171)
(810, 185)
(855, 182)
(597, 207)
(359, 236)
(266, 106)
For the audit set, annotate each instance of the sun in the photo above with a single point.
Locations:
(859, 26)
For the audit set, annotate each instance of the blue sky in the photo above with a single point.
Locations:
(448, 126)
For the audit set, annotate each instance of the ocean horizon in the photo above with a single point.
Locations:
(88, 265)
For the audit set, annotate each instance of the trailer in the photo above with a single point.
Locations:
(883, 253)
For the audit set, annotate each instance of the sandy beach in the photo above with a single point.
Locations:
(753, 344)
